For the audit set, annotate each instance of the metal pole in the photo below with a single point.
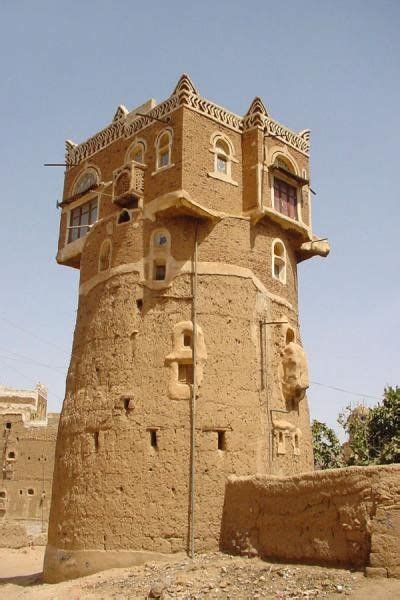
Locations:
(193, 400)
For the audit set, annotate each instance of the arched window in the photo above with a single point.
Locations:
(105, 256)
(136, 153)
(222, 157)
(163, 150)
(88, 180)
(279, 261)
(285, 188)
(223, 151)
(289, 335)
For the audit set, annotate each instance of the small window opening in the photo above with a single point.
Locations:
(20, 492)
(289, 336)
(153, 438)
(185, 373)
(124, 217)
(96, 441)
(11, 455)
(160, 270)
(3, 494)
(160, 239)
(296, 441)
(31, 492)
(128, 403)
(221, 440)
(280, 437)
(187, 339)
(139, 303)
(8, 425)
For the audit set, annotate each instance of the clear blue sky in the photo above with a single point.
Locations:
(331, 66)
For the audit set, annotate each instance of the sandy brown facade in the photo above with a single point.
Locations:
(28, 436)
(187, 364)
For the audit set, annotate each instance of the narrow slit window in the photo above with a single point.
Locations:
(221, 440)
(96, 441)
(153, 438)
(187, 339)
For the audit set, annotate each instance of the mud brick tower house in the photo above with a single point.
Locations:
(187, 223)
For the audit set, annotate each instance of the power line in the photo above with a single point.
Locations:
(33, 335)
(343, 391)
(29, 361)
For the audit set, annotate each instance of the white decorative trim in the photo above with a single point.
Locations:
(183, 268)
(132, 146)
(282, 259)
(170, 133)
(186, 95)
(222, 177)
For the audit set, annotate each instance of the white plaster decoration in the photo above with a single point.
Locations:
(279, 261)
(128, 181)
(87, 179)
(105, 256)
(182, 354)
(137, 147)
(159, 266)
(120, 113)
(185, 94)
(177, 268)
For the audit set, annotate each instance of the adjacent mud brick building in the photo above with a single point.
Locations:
(28, 436)
(187, 223)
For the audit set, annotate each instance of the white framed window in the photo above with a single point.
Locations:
(136, 152)
(80, 219)
(160, 253)
(224, 156)
(163, 150)
(85, 182)
(279, 261)
(285, 190)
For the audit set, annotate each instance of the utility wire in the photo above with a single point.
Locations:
(34, 335)
(343, 391)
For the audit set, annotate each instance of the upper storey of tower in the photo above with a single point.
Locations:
(189, 156)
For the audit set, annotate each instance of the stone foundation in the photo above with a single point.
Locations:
(343, 517)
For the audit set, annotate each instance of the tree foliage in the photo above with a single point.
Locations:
(374, 434)
(327, 450)
(384, 428)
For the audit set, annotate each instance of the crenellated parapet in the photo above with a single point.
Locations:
(185, 94)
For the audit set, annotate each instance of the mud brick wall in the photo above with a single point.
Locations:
(348, 517)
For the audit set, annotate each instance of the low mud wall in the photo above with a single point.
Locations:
(18, 535)
(348, 517)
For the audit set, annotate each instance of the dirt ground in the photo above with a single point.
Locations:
(212, 576)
